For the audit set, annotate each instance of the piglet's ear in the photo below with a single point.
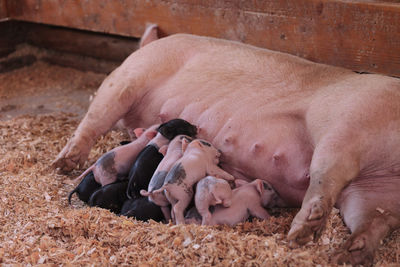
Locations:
(197, 143)
(151, 134)
(139, 131)
(185, 143)
(259, 186)
(163, 149)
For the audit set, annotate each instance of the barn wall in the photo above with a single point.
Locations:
(3, 10)
(359, 35)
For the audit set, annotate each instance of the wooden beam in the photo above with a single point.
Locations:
(11, 34)
(359, 35)
(103, 46)
(67, 47)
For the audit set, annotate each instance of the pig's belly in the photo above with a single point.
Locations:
(250, 131)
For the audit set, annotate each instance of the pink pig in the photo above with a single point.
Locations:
(211, 191)
(116, 163)
(200, 159)
(172, 153)
(248, 199)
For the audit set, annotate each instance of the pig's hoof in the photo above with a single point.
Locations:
(356, 252)
(69, 158)
(308, 224)
(206, 219)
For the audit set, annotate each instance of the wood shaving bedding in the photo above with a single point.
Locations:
(37, 226)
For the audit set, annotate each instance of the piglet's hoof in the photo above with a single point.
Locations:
(356, 252)
(69, 158)
(308, 224)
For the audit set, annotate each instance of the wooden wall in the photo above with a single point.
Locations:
(3, 10)
(359, 35)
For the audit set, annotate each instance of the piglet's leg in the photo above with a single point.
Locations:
(167, 213)
(333, 166)
(179, 209)
(205, 214)
(259, 212)
(216, 171)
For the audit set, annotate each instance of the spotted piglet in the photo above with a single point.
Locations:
(211, 191)
(114, 165)
(199, 159)
(172, 153)
(248, 199)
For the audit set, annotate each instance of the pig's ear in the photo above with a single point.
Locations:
(197, 143)
(163, 149)
(185, 143)
(151, 134)
(139, 131)
(217, 199)
(259, 186)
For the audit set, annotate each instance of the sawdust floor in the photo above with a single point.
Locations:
(37, 226)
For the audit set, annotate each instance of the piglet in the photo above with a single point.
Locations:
(248, 199)
(192, 216)
(111, 196)
(200, 159)
(172, 152)
(149, 158)
(211, 191)
(85, 189)
(115, 164)
(142, 209)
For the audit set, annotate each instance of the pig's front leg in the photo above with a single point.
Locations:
(332, 168)
(113, 101)
(259, 212)
(216, 171)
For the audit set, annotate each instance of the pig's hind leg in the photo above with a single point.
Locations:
(179, 203)
(179, 209)
(371, 214)
(333, 166)
(216, 171)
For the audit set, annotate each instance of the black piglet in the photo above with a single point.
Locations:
(149, 158)
(86, 188)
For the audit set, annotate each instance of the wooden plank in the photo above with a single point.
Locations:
(359, 35)
(3, 10)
